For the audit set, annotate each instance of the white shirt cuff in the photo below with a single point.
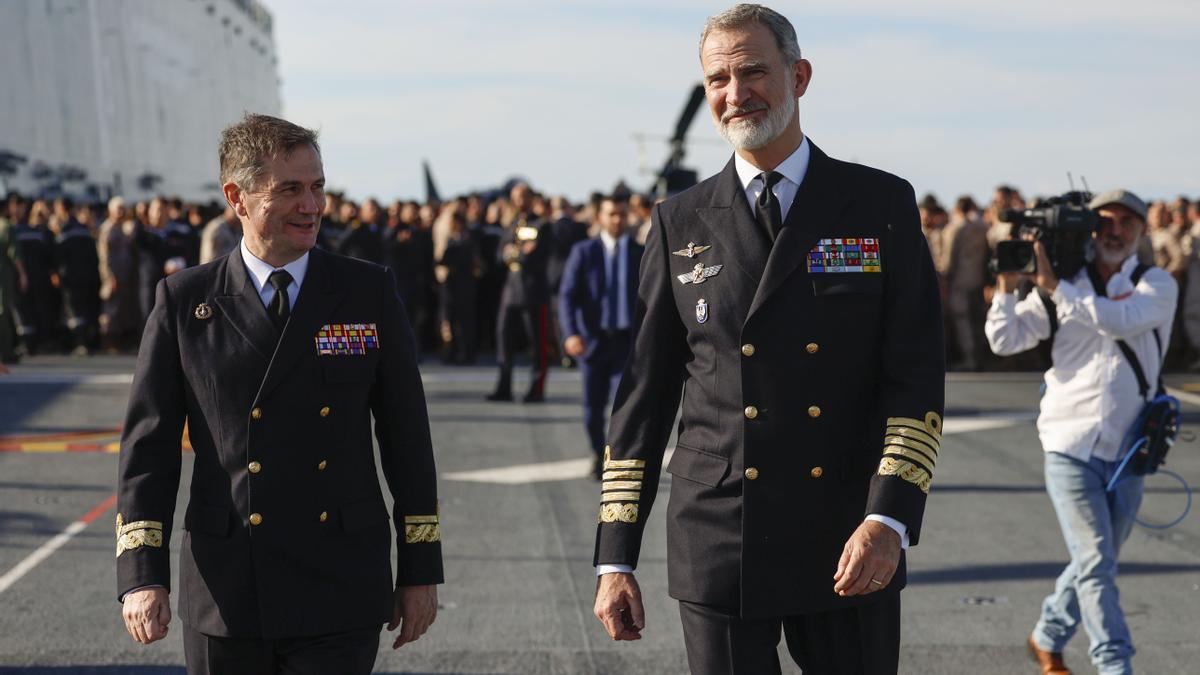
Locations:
(900, 528)
(609, 569)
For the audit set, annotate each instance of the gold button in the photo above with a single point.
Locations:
(751, 473)
(751, 412)
(814, 411)
(322, 465)
(324, 516)
(254, 467)
(325, 411)
(255, 519)
(256, 413)
(812, 348)
(747, 349)
(816, 472)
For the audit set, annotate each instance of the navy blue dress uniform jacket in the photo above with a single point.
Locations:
(286, 529)
(809, 399)
(585, 284)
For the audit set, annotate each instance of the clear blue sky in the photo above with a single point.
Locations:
(955, 96)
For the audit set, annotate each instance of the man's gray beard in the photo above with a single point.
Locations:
(1115, 258)
(752, 134)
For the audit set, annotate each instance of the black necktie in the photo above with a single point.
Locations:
(769, 213)
(280, 306)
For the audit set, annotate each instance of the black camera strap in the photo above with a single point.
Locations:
(1101, 290)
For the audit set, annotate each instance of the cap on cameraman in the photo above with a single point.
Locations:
(1121, 198)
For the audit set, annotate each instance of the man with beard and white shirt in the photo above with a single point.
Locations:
(791, 304)
(1092, 398)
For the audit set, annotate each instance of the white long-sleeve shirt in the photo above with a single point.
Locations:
(1091, 396)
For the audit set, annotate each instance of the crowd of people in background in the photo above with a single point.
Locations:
(80, 278)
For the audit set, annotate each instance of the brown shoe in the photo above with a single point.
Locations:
(1051, 663)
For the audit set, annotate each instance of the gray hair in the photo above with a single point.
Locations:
(247, 146)
(743, 14)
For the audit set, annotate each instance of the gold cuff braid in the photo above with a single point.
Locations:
(890, 466)
(618, 513)
(426, 533)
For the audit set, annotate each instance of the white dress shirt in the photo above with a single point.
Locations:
(260, 272)
(1091, 396)
(793, 170)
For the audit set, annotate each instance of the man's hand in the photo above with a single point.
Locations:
(414, 612)
(868, 561)
(1045, 272)
(619, 606)
(574, 346)
(147, 612)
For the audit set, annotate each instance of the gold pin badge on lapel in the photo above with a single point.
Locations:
(203, 311)
(691, 251)
(699, 274)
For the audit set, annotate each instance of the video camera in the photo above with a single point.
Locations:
(1063, 224)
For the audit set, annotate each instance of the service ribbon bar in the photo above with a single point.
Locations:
(844, 255)
(353, 339)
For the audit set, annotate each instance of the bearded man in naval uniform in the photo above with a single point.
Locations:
(791, 303)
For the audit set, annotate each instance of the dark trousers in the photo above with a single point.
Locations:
(857, 641)
(533, 319)
(349, 653)
(601, 370)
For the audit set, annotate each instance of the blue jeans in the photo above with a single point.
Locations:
(1094, 524)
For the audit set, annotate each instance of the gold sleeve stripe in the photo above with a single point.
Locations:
(912, 455)
(420, 520)
(139, 538)
(426, 533)
(623, 485)
(624, 464)
(620, 496)
(910, 443)
(618, 513)
(610, 463)
(623, 475)
(891, 466)
(140, 525)
(933, 427)
(909, 432)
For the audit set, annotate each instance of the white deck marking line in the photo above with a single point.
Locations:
(58, 541)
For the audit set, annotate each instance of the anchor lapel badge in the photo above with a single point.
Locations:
(699, 274)
(701, 311)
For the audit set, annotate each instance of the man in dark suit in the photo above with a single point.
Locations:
(275, 357)
(792, 300)
(595, 313)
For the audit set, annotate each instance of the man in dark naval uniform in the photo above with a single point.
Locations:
(524, 249)
(275, 357)
(793, 302)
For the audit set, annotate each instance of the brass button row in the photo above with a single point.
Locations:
(752, 412)
(752, 472)
(257, 413)
(749, 349)
(256, 467)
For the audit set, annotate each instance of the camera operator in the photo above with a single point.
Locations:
(1091, 399)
